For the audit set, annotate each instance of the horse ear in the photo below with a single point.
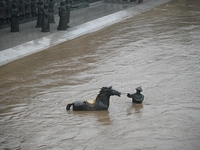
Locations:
(110, 87)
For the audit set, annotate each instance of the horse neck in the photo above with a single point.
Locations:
(104, 98)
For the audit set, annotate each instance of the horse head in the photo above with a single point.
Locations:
(113, 92)
(109, 91)
(102, 100)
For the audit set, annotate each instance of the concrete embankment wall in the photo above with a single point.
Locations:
(40, 44)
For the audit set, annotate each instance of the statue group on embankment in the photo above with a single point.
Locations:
(14, 12)
(27, 10)
(45, 15)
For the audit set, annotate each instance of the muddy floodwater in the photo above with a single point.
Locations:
(158, 50)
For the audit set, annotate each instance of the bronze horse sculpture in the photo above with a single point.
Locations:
(101, 102)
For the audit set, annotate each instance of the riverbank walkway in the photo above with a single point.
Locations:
(82, 21)
(29, 32)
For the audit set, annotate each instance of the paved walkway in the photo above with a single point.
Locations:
(28, 32)
(83, 21)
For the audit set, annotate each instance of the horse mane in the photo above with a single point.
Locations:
(102, 93)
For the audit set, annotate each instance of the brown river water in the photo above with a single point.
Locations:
(158, 50)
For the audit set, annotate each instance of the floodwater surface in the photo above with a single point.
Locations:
(158, 50)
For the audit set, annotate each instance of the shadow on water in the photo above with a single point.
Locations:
(135, 108)
(101, 116)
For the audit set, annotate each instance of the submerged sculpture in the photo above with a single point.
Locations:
(101, 102)
(136, 97)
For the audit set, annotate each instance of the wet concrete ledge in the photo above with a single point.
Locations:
(40, 44)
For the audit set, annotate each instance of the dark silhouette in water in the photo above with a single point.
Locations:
(136, 97)
(101, 102)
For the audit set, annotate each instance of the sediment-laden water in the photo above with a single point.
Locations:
(158, 50)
